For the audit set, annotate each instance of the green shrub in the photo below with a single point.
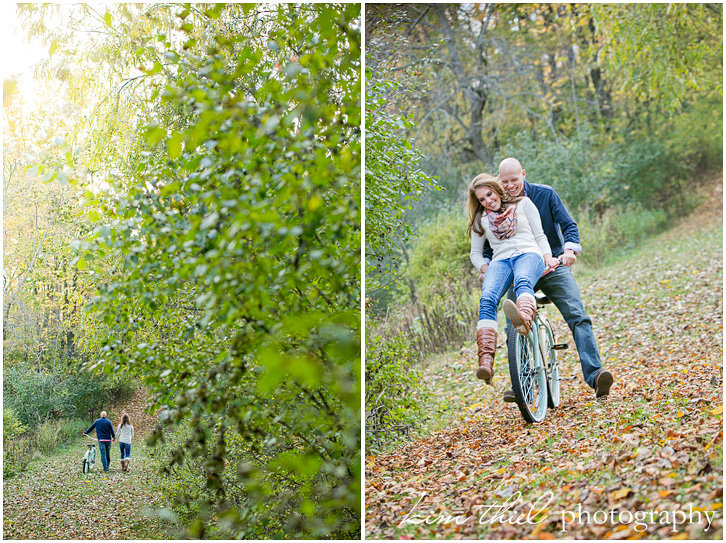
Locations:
(17, 454)
(12, 427)
(86, 394)
(50, 436)
(651, 174)
(593, 173)
(39, 395)
(34, 396)
(72, 429)
(440, 253)
(607, 235)
(583, 174)
(697, 133)
(122, 386)
(393, 385)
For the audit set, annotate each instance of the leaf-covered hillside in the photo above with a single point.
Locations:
(654, 445)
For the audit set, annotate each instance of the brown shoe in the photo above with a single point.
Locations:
(603, 382)
(508, 396)
(486, 342)
(521, 314)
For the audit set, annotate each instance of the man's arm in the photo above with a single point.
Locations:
(488, 252)
(91, 428)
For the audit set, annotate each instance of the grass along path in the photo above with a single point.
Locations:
(653, 447)
(55, 500)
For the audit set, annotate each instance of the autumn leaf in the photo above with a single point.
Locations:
(619, 494)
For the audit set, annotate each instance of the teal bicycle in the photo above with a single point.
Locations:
(89, 459)
(533, 366)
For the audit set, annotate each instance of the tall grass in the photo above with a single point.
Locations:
(20, 450)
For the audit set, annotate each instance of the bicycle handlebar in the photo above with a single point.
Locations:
(549, 270)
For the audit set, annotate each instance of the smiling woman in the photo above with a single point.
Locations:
(221, 264)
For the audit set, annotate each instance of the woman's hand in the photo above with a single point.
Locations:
(551, 262)
(483, 272)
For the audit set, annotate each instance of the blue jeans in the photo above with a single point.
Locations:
(125, 449)
(522, 270)
(560, 287)
(104, 447)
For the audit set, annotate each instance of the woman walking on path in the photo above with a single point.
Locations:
(125, 434)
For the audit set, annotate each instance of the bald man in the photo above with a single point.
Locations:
(105, 435)
(558, 285)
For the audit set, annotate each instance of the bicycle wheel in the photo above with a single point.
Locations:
(529, 381)
(553, 366)
(86, 465)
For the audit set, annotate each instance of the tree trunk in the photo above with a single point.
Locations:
(477, 97)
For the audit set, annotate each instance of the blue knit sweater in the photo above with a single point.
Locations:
(557, 223)
(104, 429)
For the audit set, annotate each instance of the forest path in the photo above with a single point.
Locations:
(653, 448)
(53, 499)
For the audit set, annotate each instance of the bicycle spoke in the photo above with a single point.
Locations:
(527, 374)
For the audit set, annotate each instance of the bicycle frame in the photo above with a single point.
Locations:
(89, 457)
(537, 338)
(533, 367)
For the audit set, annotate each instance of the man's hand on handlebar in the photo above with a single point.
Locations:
(568, 258)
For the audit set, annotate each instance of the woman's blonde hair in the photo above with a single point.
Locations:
(476, 209)
(125, 420)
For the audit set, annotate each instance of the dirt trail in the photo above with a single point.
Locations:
(55, 500)
(653, 446)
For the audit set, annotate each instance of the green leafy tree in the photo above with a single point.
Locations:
(661, 53)
(226, 247)
(393, 181)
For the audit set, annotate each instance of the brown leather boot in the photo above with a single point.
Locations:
(521, 314)
(486, 342)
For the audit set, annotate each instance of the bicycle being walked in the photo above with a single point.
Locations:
(89, 457)
(105, 436)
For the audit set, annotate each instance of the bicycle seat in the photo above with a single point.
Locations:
(542, 299)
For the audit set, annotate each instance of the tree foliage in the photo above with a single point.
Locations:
(393, 180)
(550, 71)
(660, 53)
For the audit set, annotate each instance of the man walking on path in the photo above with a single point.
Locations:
(559, 285)
(105, 435)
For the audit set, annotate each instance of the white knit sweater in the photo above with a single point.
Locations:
(125, 434)
(530, 237)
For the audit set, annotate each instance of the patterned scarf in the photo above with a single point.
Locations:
(504, 225)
